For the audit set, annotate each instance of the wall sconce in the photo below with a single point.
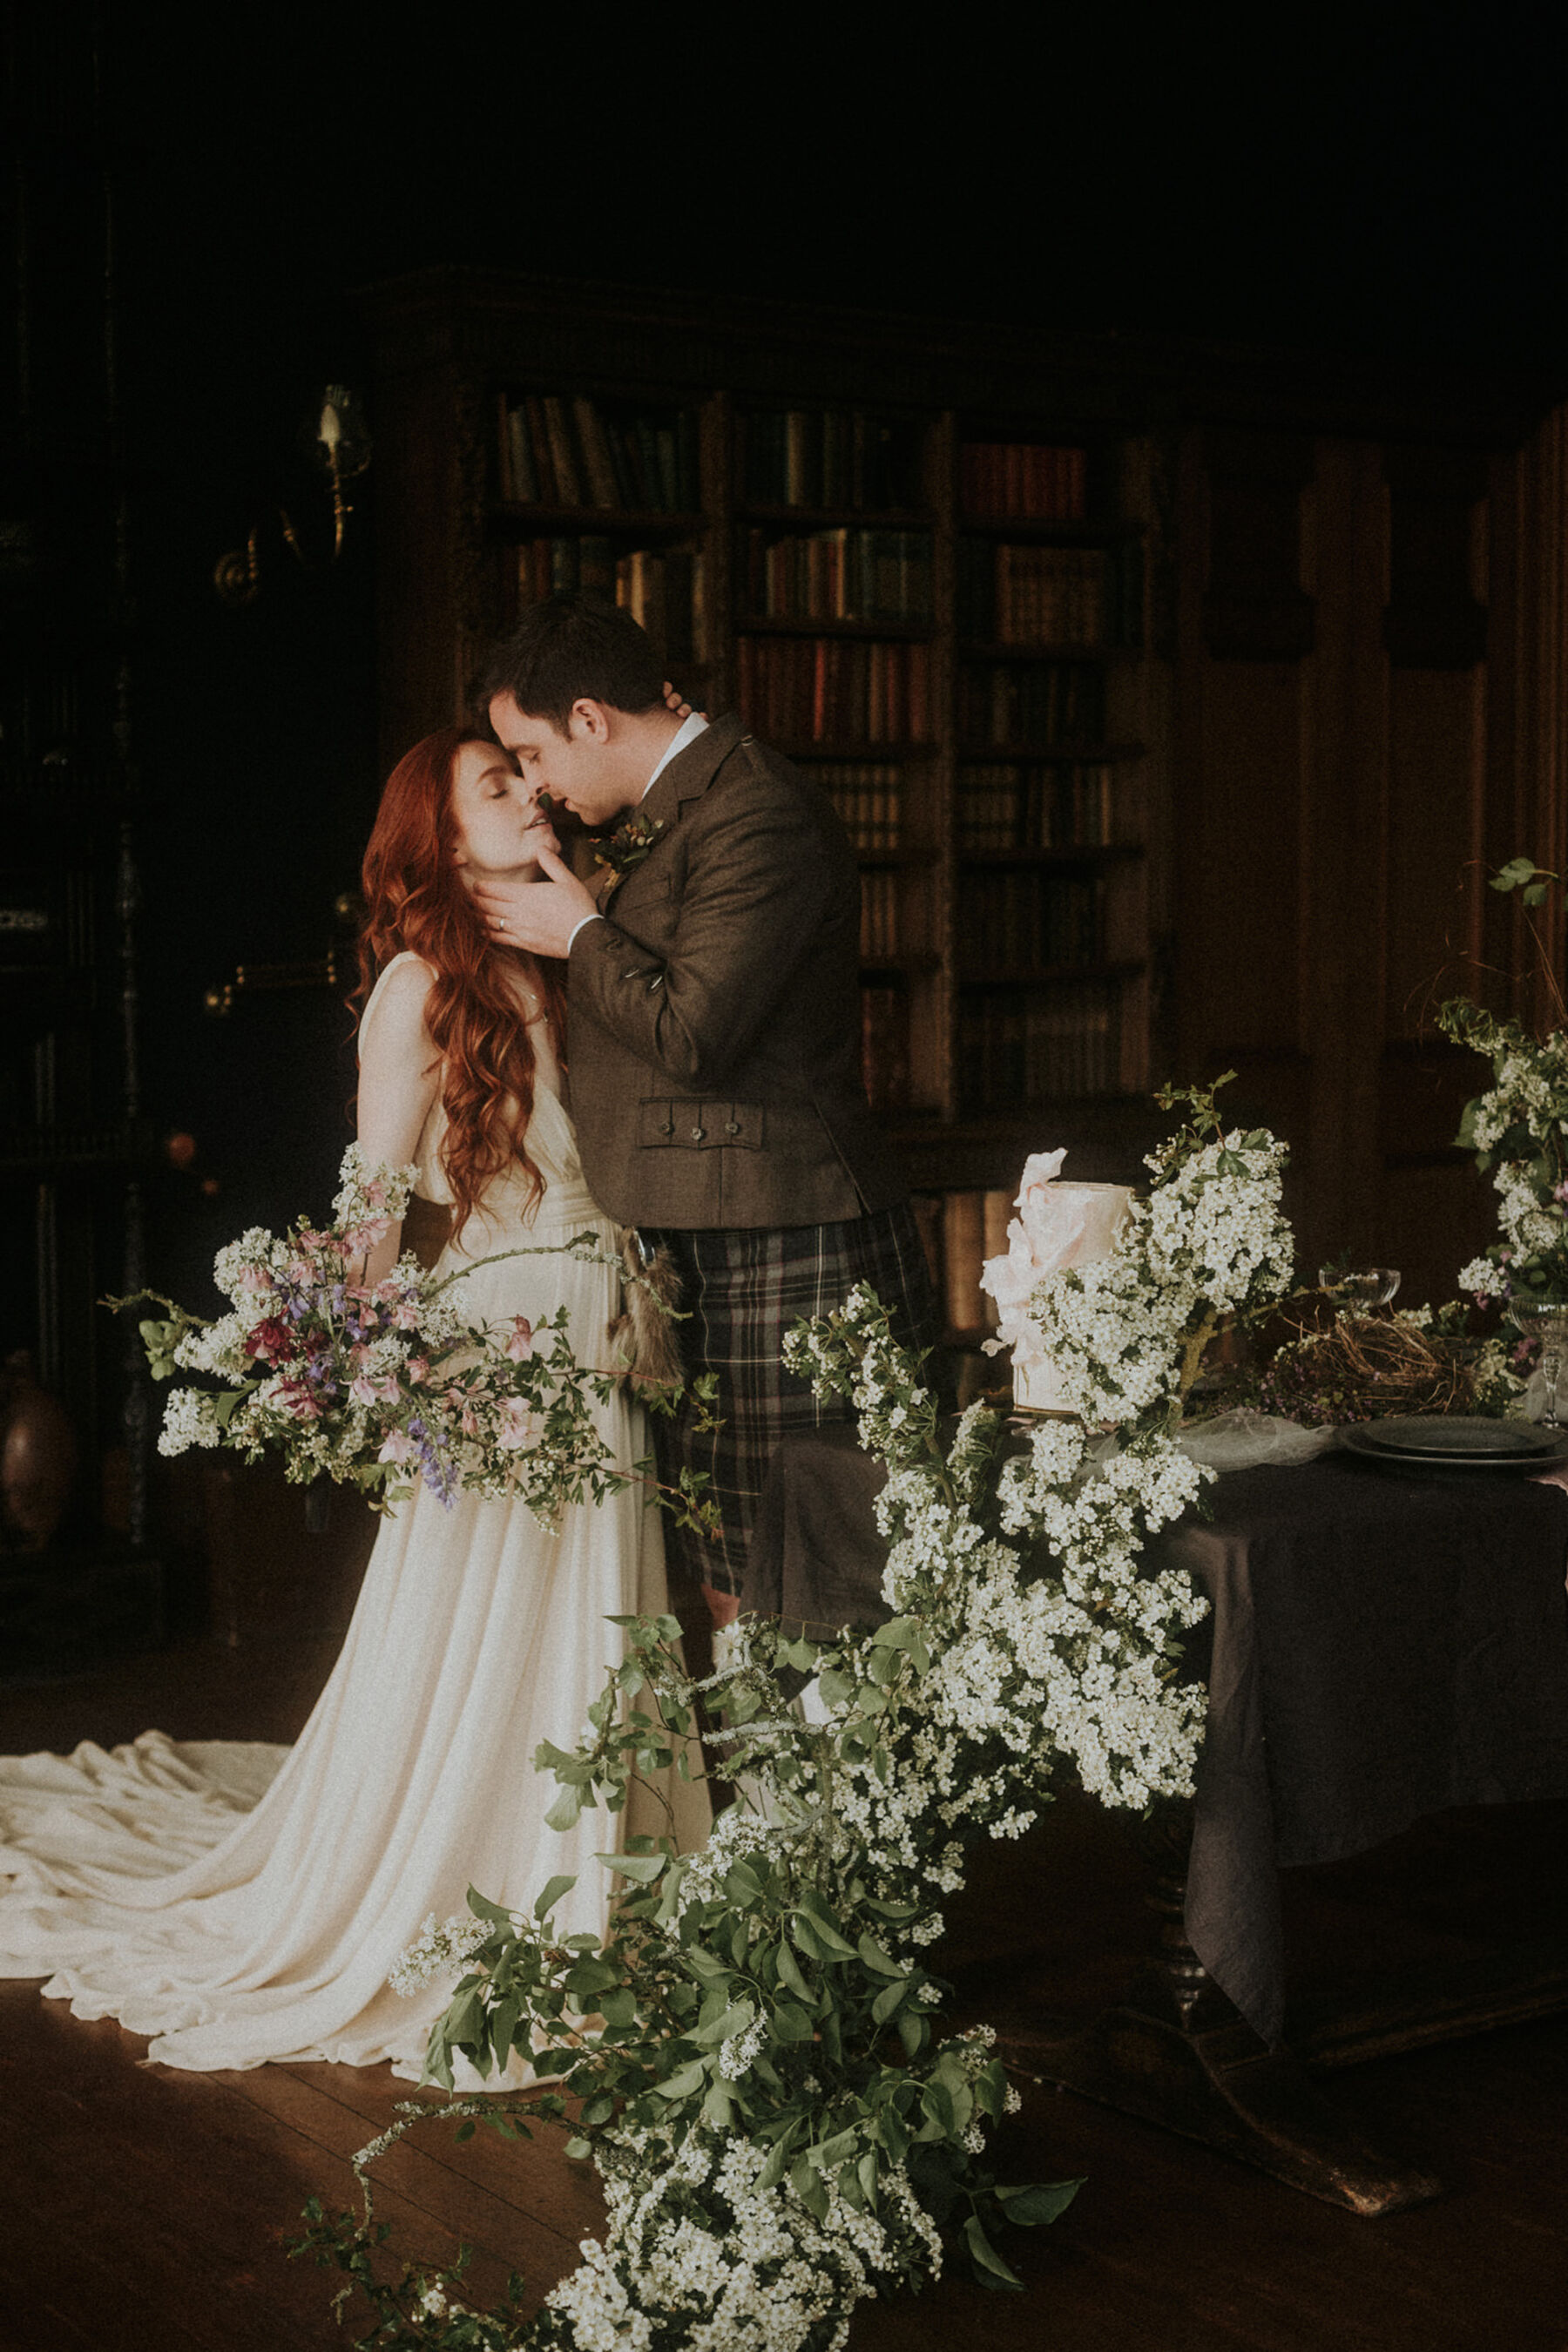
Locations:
(340, 443)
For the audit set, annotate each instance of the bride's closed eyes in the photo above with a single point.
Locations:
(501, 820)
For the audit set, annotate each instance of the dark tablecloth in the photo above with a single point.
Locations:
(1381, 1647)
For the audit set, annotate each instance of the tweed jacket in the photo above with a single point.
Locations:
(713, 1029)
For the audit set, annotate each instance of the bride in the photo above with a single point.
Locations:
(241, 1904)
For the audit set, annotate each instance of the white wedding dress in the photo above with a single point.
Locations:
(242, 1903)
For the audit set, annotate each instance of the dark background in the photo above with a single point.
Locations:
(1381, 183)
(1386, 184)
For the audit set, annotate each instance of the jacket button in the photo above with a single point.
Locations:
(731, 1126)
(669, 1127)
(697, 1133)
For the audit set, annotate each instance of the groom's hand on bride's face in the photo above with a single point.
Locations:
(537, 916)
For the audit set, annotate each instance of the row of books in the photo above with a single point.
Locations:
(1023, 1045)
(565, 450)
(1040, 804)
(885, 1044)
(834, 689)
(1026, 921)
(1024, 481)
(832, 457)
(1031, 702)
(1033, 596)
(880, 926)
(569, 449)
(662, 588)
(869, 799)
(839, 575)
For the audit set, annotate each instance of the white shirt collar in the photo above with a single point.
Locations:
(689, 730)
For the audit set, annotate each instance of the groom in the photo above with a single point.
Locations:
(713, 1032)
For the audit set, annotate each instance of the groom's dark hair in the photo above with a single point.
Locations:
(570, 648)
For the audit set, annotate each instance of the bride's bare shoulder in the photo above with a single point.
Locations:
(395, 1009)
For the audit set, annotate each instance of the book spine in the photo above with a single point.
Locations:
(668, 481)
(562, 457)
(652, 496)
(595, 567)
(504, 490)
(593, 442)
(689, 471)
(550, 491)
(524, 472)
(963, 1251)
(796, 467)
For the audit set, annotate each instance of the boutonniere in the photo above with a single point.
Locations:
(629, 844)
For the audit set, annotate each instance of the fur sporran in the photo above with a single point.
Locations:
(643, 1345)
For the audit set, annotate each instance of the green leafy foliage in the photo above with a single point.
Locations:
(769, 1991)
(756, 2056)
(1518, 1131)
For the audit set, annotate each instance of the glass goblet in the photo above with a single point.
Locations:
(1364, 1287)
(1548, 1319)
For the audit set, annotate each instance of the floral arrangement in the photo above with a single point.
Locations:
(1126, 1330)
(385, 1385)
(1518, 1128)
(756, 2058)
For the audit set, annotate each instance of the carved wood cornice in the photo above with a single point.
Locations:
(541, 327)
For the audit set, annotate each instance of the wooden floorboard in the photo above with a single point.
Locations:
(145, 2209)
(35, 2317)
(506, 2216)
(531, 2172)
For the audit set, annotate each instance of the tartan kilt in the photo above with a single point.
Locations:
(740, 1291)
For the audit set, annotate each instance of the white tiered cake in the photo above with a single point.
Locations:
(1056, 1226)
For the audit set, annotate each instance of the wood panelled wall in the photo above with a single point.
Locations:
(1370, 714)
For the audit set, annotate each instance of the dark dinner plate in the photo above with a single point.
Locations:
(1455, 1442)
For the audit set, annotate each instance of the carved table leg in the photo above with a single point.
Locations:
(1179, 2054)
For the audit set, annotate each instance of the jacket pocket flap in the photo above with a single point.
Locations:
(671, 1123)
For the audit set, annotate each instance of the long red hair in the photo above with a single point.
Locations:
(415, 898)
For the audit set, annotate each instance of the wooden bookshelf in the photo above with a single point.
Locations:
(962, 670)
(760, 624)
(596, 518)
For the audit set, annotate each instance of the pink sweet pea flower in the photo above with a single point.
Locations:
(356, 1240)
(397, 1446)
(519, 1425)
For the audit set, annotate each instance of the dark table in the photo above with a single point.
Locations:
(1380, 1647)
